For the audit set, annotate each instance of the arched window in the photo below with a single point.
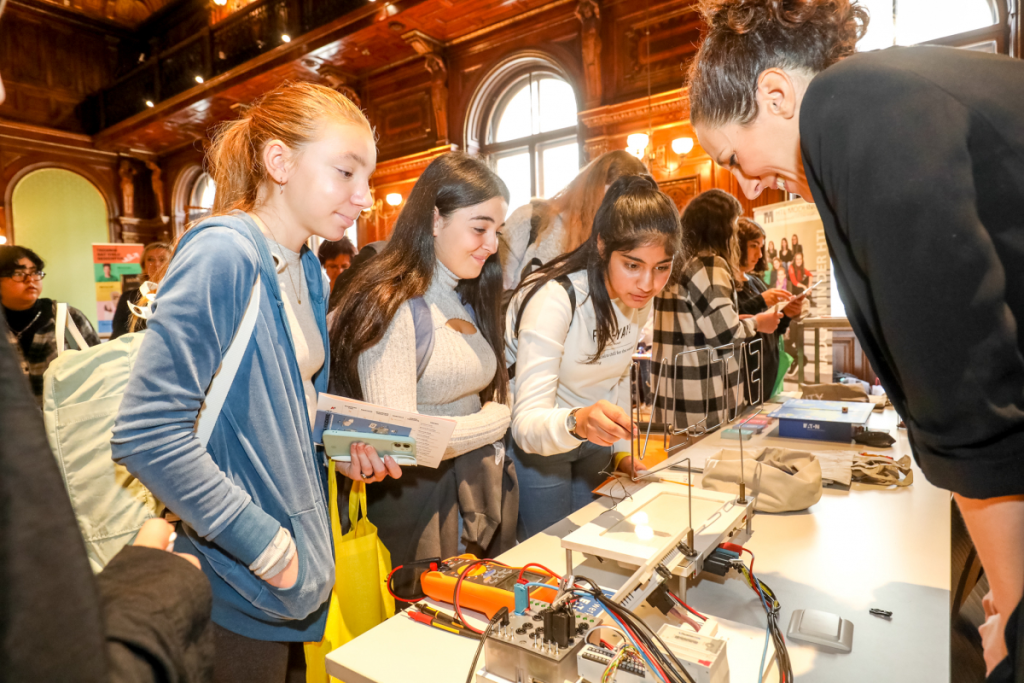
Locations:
(200, 199)
(531, 134)
(976, 24)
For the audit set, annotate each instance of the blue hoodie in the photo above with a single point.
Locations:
(260, 471)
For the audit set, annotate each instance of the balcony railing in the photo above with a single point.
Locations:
(215, 50)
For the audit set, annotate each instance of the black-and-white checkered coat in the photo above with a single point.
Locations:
(700, 311)
(44, 344)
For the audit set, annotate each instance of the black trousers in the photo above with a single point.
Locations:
(238, 659)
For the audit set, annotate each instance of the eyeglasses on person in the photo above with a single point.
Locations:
(22, 275)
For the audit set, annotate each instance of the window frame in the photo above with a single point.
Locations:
(190, 208)
(999, 32)
(532, 144)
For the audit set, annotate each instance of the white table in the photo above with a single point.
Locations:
(853, 550)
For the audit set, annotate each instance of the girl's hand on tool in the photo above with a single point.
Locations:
(603, 423)
(627, 465)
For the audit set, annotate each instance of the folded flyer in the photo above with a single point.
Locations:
(430, 432)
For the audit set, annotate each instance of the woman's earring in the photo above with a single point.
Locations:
(281, 185)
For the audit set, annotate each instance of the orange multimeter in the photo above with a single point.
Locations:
(487, 588)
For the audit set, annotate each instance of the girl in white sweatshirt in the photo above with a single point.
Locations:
(570, 360)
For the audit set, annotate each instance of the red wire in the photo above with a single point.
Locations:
(638, 644)
(458, 587)
(688, 608)
(740, 549)
(388, 585)
(522, 570)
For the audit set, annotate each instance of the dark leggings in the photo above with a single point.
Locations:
(238, 659)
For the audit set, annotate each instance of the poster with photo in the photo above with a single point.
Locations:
(797, 258)
(113, 263)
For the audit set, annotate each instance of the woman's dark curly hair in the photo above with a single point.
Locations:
(746, 37)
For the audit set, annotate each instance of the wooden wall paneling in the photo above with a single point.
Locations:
(397, 175)
(400, 106)
(662, 35)
(25, 148)
(50, 67)
(848, 356)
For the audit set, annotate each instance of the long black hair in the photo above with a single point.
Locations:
(404, 270)
(634, 213)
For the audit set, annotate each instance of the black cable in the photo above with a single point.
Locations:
(666, 659)
(498, 616)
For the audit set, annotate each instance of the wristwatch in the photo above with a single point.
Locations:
(570, 423)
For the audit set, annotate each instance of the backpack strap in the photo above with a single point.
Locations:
(222, 381)
(424, 325)
(569, 289)
(64, 320)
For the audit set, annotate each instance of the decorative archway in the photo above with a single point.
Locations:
(14, 174)
(497, 80)
(180, 195)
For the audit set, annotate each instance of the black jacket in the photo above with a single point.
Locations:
(751, 303)
(915, 158)
(145, 617)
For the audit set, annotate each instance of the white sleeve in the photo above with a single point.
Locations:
(538, 426)
(517, 240)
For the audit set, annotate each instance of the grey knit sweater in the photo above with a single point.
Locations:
(460, 366)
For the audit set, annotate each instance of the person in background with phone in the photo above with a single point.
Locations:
(443, 249)
(253, 502)
(754, 297)
(699, 308)
(571, 390)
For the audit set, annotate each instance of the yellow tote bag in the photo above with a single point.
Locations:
(360, 599)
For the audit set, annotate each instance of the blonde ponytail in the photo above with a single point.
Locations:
(294, 114)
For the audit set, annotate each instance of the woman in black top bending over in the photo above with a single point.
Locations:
(915, 160)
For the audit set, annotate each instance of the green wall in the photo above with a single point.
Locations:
(59, 214)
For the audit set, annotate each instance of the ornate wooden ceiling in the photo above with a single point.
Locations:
(127, 13)
(350, 49)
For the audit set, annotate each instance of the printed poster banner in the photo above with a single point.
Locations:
(116, 270)
(797, 257)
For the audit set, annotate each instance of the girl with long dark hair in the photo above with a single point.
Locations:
(571, 397)
(443, 249)
(799, 277)
(699, 309)
(785, 253)
(753, 297)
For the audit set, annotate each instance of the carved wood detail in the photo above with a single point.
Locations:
(589, 14)
(681, 190)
